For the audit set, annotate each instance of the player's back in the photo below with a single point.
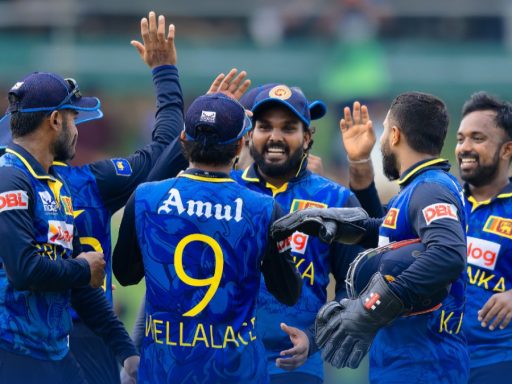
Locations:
(202, 240)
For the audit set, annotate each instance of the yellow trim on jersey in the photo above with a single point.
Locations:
(78, 213)
(504, 195)
(276, 190)
(475, 204)
(29, 167)
(246, 178)
(208, 179)
(56, 186)
(419, 167)
(60, 163)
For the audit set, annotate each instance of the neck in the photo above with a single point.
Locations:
(490, 190)
(212, 168)
(412, 158)
(38, 148)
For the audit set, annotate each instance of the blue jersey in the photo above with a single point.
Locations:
(489, 235)
(203, 238)
(101, 188)
(427, 348)
(314, 261)
(37, 270)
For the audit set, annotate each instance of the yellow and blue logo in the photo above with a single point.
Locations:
(122, 167)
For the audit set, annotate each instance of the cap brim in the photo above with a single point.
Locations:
(88, 109)
(271, 100)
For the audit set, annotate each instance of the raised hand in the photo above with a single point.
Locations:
(231, 85)
(357, 132)
(156, 49)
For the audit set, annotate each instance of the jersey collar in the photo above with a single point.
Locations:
(422, 166)
(251, 173)
(212, 177)
(505, 193)
(32, 165)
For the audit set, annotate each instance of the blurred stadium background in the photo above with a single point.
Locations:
(335, 50)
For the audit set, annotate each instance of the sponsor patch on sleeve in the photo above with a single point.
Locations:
(10, 200)
(122, 166)
(439, 211)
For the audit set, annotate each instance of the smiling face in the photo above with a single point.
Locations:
(278, 142)
(479, 142)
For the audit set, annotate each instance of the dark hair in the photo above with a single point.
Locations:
(423, 118)
(482, 101)
(23, 123)
(202, 150)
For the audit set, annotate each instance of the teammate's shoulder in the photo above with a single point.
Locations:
(321, 182)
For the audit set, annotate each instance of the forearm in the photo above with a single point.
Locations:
(139, 326)
(369, 199)
(169, 112)
(361, 174)
(127, 257)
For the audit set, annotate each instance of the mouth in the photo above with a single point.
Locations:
(467, 163)
(276, 153)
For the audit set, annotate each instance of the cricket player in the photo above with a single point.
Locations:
(483, 152)
(201, 240)
(279, 144)
(428, 347)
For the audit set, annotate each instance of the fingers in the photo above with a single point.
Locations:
(487, 306)
(152, 26)
(347, 116)
(160, 32)
(290, 363)
(139, 47)
(290, 331)
(365, 116)
(488, 311)
(170, 35)
(144, 30)
(216, 83)
(237, 81)
(507, 319)
(242, 89)
(356, 112)
(499, 317)
(224, 85)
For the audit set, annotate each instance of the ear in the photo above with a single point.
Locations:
(307, 139)
(506, 150)
(183, 136)
(396, 135)
(239, 146)
(56, 120)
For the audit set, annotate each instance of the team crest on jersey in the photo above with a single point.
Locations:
(68, 206)
(122, 166)
(499, 226)
(49, 204)
(298, 205)
(391, 218)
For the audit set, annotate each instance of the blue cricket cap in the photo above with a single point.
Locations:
(225, 115)
(292, 98)
(42, 91)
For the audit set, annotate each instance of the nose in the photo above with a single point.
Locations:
(463, 145)
(276, 135)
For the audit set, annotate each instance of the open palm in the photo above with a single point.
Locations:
(357, 132)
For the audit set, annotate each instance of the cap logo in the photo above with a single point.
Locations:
(17, 86)
(208, 116)
(280, 92)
